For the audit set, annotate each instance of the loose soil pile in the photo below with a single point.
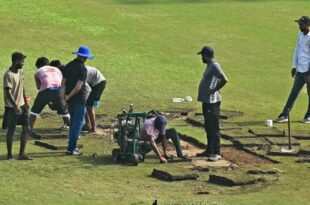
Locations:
(231, 154)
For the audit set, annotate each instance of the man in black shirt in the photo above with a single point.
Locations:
(76, 94)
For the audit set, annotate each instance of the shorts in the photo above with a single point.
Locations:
(96, 93)
(49, 96)
(10, 119)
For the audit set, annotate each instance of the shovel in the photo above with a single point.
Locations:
(289, 149)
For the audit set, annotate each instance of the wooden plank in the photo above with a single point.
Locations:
(52, 146)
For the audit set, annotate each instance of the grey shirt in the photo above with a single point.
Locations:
(209, 80)
(94, 77)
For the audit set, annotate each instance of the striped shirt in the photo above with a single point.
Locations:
(209, 80)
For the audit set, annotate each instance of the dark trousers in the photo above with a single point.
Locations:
(211, 113)
(172, 134)
(299, 83)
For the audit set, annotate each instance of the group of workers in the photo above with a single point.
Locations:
(73, 90)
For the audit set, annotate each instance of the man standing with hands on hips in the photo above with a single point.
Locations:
(76, 94)
(212, 81)
(300, 70)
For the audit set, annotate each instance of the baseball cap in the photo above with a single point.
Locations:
(206, 50)
(160, 124)
(304, 20)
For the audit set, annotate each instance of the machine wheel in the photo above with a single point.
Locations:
(115, 155)
(141, 158)
(135, 159)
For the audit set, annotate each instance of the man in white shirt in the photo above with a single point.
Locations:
(97, 83)
(300, 70)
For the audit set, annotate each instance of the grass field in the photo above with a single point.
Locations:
(147, 51)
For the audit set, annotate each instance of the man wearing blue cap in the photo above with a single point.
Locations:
(300, 70)
(212, 81)
(76, 94)
(154, 131)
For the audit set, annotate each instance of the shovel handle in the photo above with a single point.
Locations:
(289, 128)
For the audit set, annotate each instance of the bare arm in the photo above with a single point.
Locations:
(25, 98)
(75, 90)
(164, 143)
(223, 80)
(156, 150)
(63, 86)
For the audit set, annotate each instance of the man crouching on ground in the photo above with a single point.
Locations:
(154, 131)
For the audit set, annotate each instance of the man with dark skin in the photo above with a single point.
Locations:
(16, 106)
(97, 82)
(300, 70)
(76, 94)
(48, 81)
(212, 81)
(154, 131)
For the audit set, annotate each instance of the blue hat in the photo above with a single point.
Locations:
(84, 51)
(206, 50)
(160, 124)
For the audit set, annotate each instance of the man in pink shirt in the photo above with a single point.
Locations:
(48, 81)
(154, 131)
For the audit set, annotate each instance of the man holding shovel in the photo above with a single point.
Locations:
(212, 81)
(300, 70)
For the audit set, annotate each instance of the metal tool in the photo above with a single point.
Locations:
(289, 149)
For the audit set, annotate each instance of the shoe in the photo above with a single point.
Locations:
(65, 127)
(10, 158)
(203, 154)
(74, 152)
(215, 157)
(282, 118)
(181, 156)
(306, 119)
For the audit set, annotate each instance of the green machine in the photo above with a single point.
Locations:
(127, 136)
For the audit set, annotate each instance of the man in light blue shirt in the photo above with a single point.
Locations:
(300, 70)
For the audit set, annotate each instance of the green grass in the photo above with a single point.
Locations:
(147, 51)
